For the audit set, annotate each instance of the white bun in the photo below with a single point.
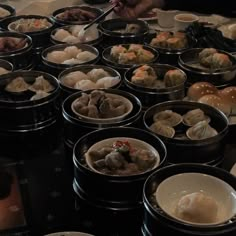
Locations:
(199, 89)
(217, 102)
(229, 95)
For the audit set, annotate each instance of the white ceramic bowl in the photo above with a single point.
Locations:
(68, 234)
(172, 189)
(108, 142)
(127, 102)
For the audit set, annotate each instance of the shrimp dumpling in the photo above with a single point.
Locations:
(72, 51)
(61, 34)
(85, 56)
(197, 207)
(107, 82)
(73, 77)
(58, 56)
(96, 74)
(85, 85)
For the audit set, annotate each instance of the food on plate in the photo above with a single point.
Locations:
(70, 55)
(173, 78)
(29, 25)
(161, 128)
(122, 157)
(129, 29)
(168, 117)
(146, 76)
(201, 130)
(99, 104)
(41, 84)
(170, 40)
(197, 207)
(3, 71)
(133, 54)
(4, 12)
(17, 85)
(211, 58)
(199, 89)
(71, 34)
(93, 79)
(76, 14)
(39, 95)
(194, 116)
(9, 44)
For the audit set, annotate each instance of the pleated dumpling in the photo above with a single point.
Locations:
(96, 74)
(201, 130)
(194, 116)
(41, 84)
(39, 95)
(73, 77)
(17, 85)
(173, 78)
(162, 129)
(168, 117)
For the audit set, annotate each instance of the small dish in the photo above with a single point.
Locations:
(131, 142)
(128, 106)
(173, 189)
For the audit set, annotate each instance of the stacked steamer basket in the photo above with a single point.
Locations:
(111, 198)
(6, 11)
(29, 113)
(76, 125)
(192, 132)
(210, 190)
(18, 49)
(35, 26)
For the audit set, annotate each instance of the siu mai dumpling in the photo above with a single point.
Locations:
(205, 56)
(17, 85)
(197, 207)
(127, 58)
(175, 43)
(117, 50)
(144, 56)
(220, 60)
(41, 84)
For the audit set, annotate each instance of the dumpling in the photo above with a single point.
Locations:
(41, 84)
(39, 94)
(144, 56)
(73, 77)
(17, 85)
(71, 61)
(220, 60)
(117, 50)
(205, 56)
(96, 74)
(107, 82)
(201, 130)
(61, 34)
(168, 117)
(175, 43)
(144, 76)
(197, 207)
(135, 47)
(3, 71)
(85, 85)
(194, 116)
(70, 39)
(132, 28)
(58, 56)
(127, 58)
(162, 129)
(85, 56)
(173, 78)
(4, 12)
(72, 51)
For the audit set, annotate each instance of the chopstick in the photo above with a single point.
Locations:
(100, 17)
